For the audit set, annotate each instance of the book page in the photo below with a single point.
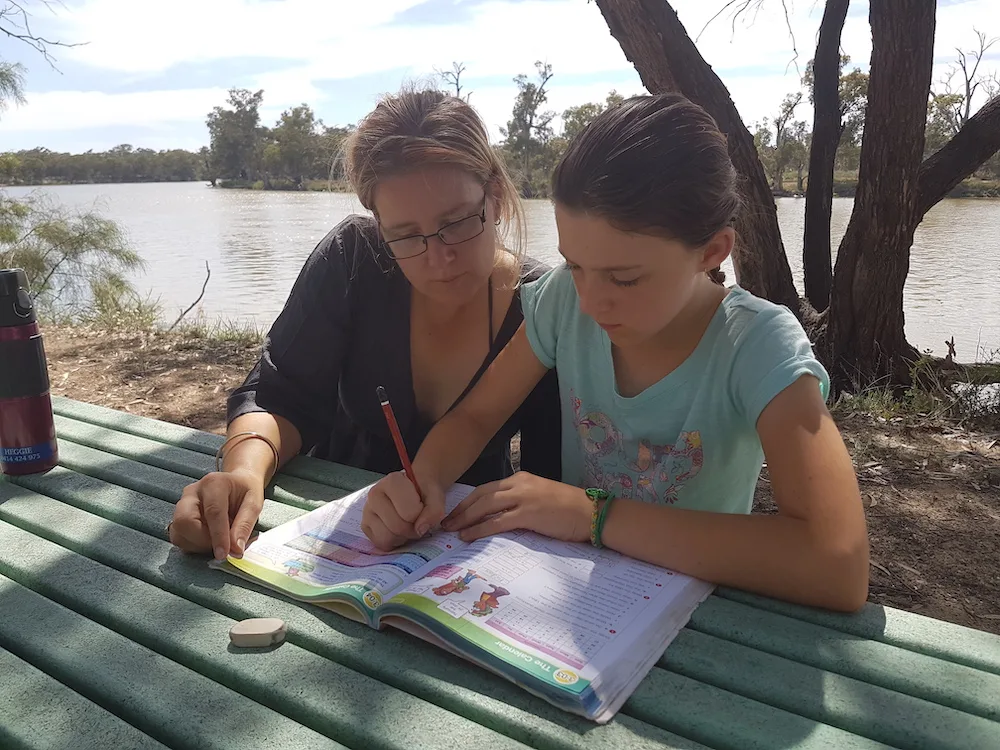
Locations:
(326, 552)
(561, 611)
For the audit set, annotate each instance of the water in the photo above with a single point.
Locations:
(256, 242)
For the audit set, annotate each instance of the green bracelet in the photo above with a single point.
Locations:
(599, 514)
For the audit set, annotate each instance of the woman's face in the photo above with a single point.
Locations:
(452, 205)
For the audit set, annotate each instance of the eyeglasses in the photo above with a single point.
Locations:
(453, 233)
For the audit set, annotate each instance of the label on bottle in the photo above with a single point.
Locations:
(27, 455)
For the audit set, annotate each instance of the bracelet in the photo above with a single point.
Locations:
(602, 501)
(220, 455)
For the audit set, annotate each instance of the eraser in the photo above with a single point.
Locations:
(258, 632)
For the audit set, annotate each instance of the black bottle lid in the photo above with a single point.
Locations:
(16, 308)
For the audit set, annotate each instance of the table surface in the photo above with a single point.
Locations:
(112, 638)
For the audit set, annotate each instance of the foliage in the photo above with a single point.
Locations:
(77, 262)
(123, 163)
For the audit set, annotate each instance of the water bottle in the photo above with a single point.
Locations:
(27, 430)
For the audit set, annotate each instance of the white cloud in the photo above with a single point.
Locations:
(346, 39)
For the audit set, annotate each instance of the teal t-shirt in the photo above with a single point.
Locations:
(690, 439)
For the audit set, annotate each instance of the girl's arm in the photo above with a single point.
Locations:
(394, 512)
(813, 552)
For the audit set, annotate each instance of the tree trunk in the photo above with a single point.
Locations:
(866, 341)
(655, 42)
(799, 178)
(817, 256)
(971, 147)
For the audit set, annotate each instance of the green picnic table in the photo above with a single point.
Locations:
(112, 638)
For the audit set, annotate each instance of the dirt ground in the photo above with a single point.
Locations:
(931, 492)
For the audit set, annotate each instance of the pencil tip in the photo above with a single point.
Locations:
(382, 397)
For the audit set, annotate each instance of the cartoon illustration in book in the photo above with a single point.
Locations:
(488, 601)
(457, 584)
(297, 565)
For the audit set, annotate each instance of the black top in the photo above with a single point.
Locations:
(344, 331)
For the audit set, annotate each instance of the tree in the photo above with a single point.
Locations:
(529, 128)
(863, 338)
(865, 334)
(235, 136)
(11, 84)
(453, 78)
(654, 40)
(949, 110)
(784, 138)
(75, 261)
(296, 139)
(575, 119)
(824, 80)
(331, 153)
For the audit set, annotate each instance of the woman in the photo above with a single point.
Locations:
(419, 298)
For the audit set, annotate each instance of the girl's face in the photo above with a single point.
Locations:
(633, 285)
(441, 199)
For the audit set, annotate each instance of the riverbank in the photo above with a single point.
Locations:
(843, 187)
(847, 187)
(931, 486)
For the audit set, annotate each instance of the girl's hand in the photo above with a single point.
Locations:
(394, 512)
(523, 501)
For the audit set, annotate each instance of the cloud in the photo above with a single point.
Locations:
(161, 62)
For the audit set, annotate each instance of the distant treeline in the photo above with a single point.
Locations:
(123, 163)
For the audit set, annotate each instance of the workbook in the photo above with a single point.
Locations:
(576, 625)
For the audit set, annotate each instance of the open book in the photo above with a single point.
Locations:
(578, 626)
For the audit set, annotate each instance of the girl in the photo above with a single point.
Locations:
(674, 389)
(419, 298)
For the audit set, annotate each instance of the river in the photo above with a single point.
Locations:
(256, 242)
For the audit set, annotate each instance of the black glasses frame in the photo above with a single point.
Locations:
(481, 214)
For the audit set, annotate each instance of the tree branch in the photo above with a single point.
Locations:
(975, 143)
(204, 286)
(15, 24)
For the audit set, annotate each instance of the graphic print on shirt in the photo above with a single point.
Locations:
(634, 468)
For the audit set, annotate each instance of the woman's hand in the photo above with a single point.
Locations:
(394, 512)
(217, 513)
(523, 501)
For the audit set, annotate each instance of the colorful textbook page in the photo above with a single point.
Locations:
(565, 614)
(323, 556)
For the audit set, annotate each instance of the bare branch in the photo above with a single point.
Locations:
(453, 77)
(208, 275)
(15, 23)
(745, 6)
(727, 6)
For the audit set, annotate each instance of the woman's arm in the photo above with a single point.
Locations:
(814, 551)
(289, 397)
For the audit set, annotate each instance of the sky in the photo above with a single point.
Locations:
(147, 72)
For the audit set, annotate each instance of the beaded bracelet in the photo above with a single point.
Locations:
(602, 501)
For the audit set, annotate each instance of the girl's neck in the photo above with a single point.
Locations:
(639, 367)
(683, 333)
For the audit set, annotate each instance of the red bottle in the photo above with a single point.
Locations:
(27, 429)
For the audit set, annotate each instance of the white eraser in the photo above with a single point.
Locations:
(258, 632)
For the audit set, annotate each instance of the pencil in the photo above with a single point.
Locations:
(397, 437)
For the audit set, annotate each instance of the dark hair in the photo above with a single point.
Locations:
(654, 164)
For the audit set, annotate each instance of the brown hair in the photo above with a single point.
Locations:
(419, 128)
(654, 164)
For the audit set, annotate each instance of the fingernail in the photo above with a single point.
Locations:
(422, 529)
(241, 545)
(220, 553)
